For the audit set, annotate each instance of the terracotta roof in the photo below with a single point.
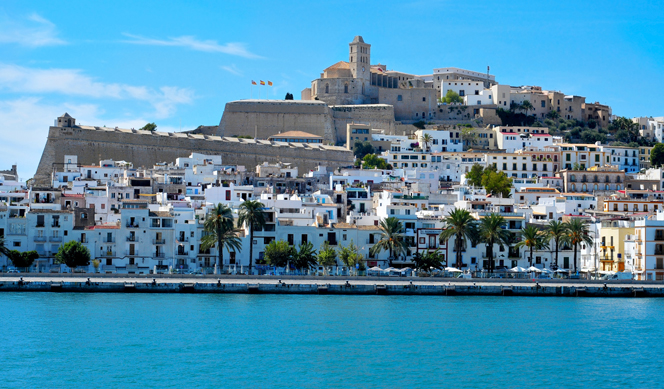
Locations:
(541, 135)
(339, 65)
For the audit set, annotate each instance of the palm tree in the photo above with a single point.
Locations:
(577, 232)
(391, 238)
(426, 139)
(461, 225)
(557, 231)
(251, 213)
(492, 231)
(533, 239)
(220, 229)
(3, 249)
(527, 106)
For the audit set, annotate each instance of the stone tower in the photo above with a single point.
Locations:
(360, 59)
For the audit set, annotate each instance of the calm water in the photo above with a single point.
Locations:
(183, 341)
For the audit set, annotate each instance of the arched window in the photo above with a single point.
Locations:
(362, 88)
(345, 88)
(327, 88)
(617, 178)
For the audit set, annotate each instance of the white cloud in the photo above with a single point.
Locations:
(232, 69)
(73, 82)
(192, 43)
(35, 31)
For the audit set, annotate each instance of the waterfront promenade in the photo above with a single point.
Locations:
(326, 285)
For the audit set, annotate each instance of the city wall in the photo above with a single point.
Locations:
(144, 148)
(262, 118)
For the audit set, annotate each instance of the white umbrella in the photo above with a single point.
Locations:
(533, 269)
(562, 271)
(545, 270)
(517, 269)
(391, 269)
(375, 268)
(453, 270)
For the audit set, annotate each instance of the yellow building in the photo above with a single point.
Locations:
(612, 248)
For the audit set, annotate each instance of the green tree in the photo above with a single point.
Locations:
(526, 106)
(492, 231)
(496, 183)
(219, 228)
(556, 231)
(590, 136)
(553, 115)
(628, 126)
(278, 253)
(474, 176)
(22, 259)
(251, 212)
(425, 262)
(305, 257)
(577, 167)
(149, 127)
(657, 155)
(461, 225)
(350, 256)
(372, 161)
(391, 238)
(469, 136)
(327, 256)
(577, 233)
(451, 97)
(360, 149)
(533, 239)
(73, 254)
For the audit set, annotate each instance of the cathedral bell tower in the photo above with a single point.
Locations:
(360, 59)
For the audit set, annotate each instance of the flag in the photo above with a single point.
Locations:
(269, 83)
(262, 82)
(253, 82)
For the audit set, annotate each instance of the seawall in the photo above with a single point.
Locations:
(88, 283)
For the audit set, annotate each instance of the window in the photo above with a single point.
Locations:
(346, 88)
(399, 98)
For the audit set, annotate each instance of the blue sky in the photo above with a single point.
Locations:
(125, 63)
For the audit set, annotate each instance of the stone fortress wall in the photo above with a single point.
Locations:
(144, 148)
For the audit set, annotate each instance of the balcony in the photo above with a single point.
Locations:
(659, 238)
(132, 254)
(131, 238)
(158, 241)
(40, 239)
(132, 225)
(159, 255)
(55, 225)
(38, 225)
(182, 253)
(659, 252)
(109, 240)
(83, 240)
(108, 253)
(55, 239)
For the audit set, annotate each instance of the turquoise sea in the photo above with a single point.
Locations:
(290, 341)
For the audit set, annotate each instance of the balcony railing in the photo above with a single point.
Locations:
(39, 225)
(40, 239)
(159, 241)
(83, 240)
(55, 239)
(659, 238)
(659, 252)
(55, 225)
(131, 238)
(134, 254)
(108, 253)
(159, 255)
(109, 240)
(182, 253)
(132, 225)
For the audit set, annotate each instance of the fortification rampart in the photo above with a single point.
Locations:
(263, 118)
(144, 148)
(379, 116)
